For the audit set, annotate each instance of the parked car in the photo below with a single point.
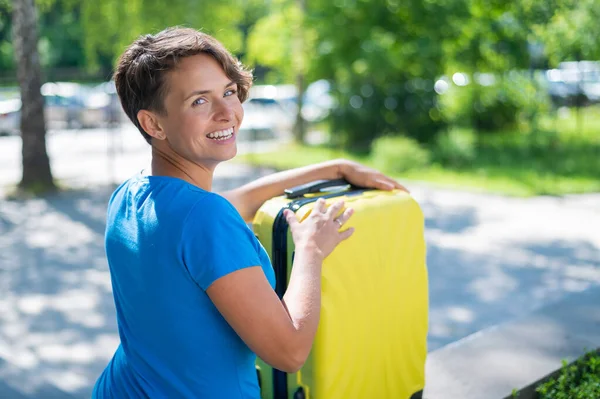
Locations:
(10, 115)
(110, 103)
(66, 105)
(72, 105)
(62, 105)
(574, 83)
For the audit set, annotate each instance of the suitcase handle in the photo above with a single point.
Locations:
(315, 187)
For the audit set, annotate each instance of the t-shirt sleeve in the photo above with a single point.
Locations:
(216, 241)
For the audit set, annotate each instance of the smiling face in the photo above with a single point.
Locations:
(202, 111)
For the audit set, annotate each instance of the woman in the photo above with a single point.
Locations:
(193, 287)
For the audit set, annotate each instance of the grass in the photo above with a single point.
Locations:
(556, 159)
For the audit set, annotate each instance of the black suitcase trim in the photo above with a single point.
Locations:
(279, 261)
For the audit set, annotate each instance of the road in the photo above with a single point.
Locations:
(97, 156)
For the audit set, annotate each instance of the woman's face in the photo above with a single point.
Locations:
(203, 111)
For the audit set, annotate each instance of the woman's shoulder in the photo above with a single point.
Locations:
(215, 207)
(164, 197)
(173, 196)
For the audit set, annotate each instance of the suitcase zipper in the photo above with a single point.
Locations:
(279, 261)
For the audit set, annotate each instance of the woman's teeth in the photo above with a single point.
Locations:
(221, 134)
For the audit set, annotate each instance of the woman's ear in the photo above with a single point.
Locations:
(151, 125)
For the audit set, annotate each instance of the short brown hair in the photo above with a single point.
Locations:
(141, 69)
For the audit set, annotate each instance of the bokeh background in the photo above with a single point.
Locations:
(488, 110)
(499, 95)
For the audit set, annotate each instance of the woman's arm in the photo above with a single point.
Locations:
(282, 332)
(248, 198)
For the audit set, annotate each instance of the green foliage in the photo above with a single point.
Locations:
(458, 106)
(60, 43)
(366, 111)
(382, 59)
(578, 380)
(454, 148)
(512, 101)
(399, 154)
(491, 37)
(495, 108)
(572, 31)
(273, 33)
(109, 26)
(282, 41)
(6, 49)
(252, 12)
(554, 160)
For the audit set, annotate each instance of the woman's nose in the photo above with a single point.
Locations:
(224, 111)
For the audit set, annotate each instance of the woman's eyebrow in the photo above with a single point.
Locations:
(199, 92)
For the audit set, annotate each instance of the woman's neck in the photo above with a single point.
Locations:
(166, 162)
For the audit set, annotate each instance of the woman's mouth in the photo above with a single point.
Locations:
(221, 135)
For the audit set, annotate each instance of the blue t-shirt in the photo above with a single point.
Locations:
(166, 242)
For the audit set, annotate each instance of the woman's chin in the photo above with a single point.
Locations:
(229, 154)
(231, 157)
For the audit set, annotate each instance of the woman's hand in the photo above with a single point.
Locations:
(363, 176)
(320, 231)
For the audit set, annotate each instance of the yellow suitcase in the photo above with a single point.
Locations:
(372, 337)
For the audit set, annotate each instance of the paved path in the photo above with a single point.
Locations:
(490, 260)
(96, 156)
(493, 258)
(491, 363)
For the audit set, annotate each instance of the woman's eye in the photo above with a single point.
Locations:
(199, 101)
(230, 92)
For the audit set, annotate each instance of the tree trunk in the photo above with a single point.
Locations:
(581, 97)
(37, 177)
(299, 125)
(300, 51)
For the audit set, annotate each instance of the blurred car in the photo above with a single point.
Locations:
(71, 105)
(61, 105)
(574, 83)
(10, 115)
(318, 101)
(67, 105)
(260, 122)
(278, 104)
(110, 103)
(266, 113)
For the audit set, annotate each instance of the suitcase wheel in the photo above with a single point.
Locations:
(299, 394)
